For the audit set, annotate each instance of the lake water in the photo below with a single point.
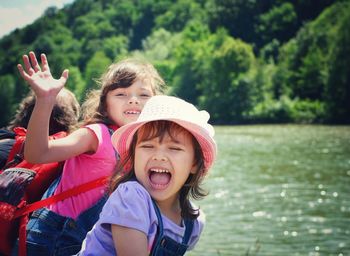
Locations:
(278, 190)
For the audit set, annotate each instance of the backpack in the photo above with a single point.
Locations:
(21, 182)
(22, 185)
(7, 139)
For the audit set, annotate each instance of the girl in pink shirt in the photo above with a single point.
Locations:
(87, 152)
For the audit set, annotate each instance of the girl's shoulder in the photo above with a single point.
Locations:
(129, 206)
(101, 132)
(133, 190)
(98, 129)
(96, 126)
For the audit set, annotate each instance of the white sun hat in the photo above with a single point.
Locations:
(173, 109)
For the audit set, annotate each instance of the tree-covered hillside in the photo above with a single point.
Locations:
(244, 61)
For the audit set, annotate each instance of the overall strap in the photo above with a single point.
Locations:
(111, 131)
(160, 220)
(188, 231)
(188, 226)
(51, 189)
(159, 233)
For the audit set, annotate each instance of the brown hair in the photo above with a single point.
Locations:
(119, 75)
(64, 115)
(192, 187)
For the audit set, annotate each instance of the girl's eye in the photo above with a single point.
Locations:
(176, 148)
(146, 146)
(145, 95)
(120, 94)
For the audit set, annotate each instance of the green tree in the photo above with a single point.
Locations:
(278, 23)
(76, 83)
(158, 48)
(187, 59)
(176, 17)
(95, 67)
(115, 46)
(237, 16)
(227, 82)
(7, 90)
(85, 27)
(201, 48)
(123, 17)
(307, 61)
(338, 86)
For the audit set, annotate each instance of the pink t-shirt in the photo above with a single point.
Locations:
(84, 168)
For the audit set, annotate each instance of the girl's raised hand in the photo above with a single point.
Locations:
(40, 78)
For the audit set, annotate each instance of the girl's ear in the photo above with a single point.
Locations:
(194, 168)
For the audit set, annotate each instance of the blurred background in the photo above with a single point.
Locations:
(246, 62)
(275, 77)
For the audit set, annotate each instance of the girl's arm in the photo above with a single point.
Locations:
(38, 149)
(128, 241)
(78, 142)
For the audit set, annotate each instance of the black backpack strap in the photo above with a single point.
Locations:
(111, 131)
(7, 139)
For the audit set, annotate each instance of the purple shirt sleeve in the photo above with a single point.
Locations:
(129, 206)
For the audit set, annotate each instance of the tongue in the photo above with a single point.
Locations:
(160, 178)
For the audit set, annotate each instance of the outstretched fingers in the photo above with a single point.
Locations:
(23, 73)
(64, 76)
(34, 62)
(39, 77)
(27, 65)
(44, 63)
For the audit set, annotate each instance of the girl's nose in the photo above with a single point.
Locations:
(133, 99)
(159, 157)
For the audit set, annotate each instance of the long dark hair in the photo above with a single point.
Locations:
(119, 75)
(64, 115)
(192, 187)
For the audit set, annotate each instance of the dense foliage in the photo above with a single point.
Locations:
(245, 61)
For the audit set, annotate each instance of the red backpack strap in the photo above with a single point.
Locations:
(16, 154)
(61, 196)
(18, 146)
(22, 235)
(23, 213)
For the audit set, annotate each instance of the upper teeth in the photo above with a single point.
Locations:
(159, 170)
(132, 112)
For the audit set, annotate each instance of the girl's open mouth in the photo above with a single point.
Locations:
(159, 178)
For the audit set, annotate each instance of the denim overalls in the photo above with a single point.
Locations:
(164, 245)
(49, 233)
